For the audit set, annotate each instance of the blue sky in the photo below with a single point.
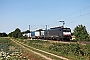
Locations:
(38, 13)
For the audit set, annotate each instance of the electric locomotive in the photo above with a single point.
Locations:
(58, 33)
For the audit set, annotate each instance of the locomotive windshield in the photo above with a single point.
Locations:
(66, 30)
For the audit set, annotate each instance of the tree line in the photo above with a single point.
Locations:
(3, 34)
(18, 34)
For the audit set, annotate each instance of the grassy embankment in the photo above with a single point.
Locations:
(71, 51)
(48, 55)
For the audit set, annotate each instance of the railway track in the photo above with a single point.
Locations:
(66, 42)
(47, 58)
(55, 41)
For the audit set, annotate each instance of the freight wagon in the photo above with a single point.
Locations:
(37, 34)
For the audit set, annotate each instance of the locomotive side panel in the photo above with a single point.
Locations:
(53, 34)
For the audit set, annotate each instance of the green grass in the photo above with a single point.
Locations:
(48, 55)
(4, 40)
(72, 51)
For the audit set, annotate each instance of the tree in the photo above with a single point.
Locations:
(80, 33)
(25, 32)
(16, 34)
(3, 34)
(39, 30)
(10, 34)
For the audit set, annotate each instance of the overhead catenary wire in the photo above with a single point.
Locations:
(75, 17)
(79, 16)
(79, 11)
(80, 20)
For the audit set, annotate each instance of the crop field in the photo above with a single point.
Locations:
(11, 51)
(71, 51)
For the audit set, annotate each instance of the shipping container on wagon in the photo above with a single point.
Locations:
(33, 33)
(37, 34)
(27, 34)
(42, 33)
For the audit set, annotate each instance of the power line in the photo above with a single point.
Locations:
(76, 12)
(80, 20)
(74, 18)
(79, 16)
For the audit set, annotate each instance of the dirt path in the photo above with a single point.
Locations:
(43, 52)
(33, 51)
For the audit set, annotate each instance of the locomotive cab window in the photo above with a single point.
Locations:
(66, 30)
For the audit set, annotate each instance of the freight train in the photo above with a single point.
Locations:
(56, 33)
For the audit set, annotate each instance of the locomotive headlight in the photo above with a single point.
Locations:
(66, 33)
